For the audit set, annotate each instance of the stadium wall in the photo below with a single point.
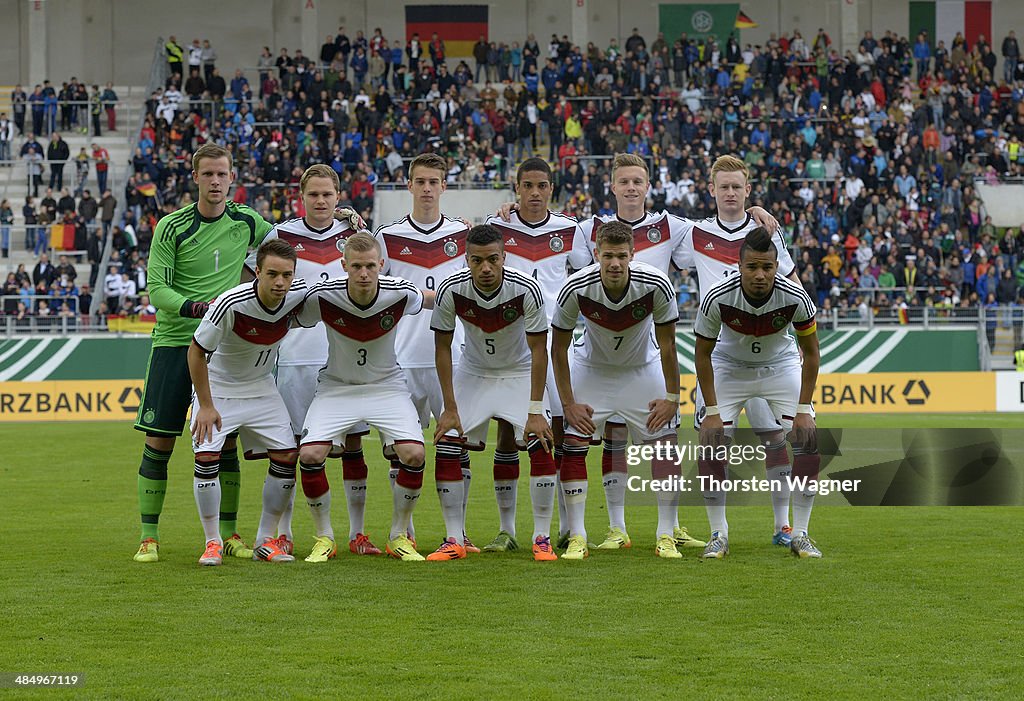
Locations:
(474, 205)
(98, 41)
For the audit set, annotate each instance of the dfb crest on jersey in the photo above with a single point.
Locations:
(387, 321)
(779, 322)
(340, 245)
(638, 312)
(451, 249)
(510, 314)
(654, 234)
(556, 244)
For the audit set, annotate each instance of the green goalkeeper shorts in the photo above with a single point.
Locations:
(167, 394)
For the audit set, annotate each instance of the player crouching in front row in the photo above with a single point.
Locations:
(362, 382)
(743, 351)
(615, 370)
(231, 359)
(501, 375)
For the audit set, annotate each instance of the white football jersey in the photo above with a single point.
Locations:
(617, 333)
(539, 250)
(755, 336)
(361, 345)
(658, 240)
(242, 338)
(496, 325)
(714, 249)
(424, 257)
(319, 254)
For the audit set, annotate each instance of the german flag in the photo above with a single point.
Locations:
(147, 189)
(62, 237)
(459, 26)
(744, 22)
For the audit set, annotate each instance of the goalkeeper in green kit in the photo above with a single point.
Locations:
(197, 253)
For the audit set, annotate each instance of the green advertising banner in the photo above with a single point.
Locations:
(698, 21)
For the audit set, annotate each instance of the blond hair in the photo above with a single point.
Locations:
(629, 160)
(729, 164)
(320, 170)
(210, 150)
(362, 242)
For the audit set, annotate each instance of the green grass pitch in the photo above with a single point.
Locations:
(907, 602)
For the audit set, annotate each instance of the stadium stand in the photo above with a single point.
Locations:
(870, 160)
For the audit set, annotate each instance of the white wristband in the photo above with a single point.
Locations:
(536, 408)
(669, 397)
(711, 410)
(804, 409)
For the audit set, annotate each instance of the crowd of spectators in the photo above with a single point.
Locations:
(870, 159)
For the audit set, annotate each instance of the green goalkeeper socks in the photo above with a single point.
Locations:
(230, 486)
(152, 489)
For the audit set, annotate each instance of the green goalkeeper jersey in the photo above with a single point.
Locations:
(196, 259)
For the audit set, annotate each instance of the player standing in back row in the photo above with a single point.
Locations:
(197, 253)
(424, 248)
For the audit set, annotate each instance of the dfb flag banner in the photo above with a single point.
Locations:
(698, 21)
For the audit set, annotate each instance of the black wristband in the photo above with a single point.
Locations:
(193, 310)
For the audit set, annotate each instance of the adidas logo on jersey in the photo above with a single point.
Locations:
(709, 246)
(736, 322)
(299, 247)
(339, 322)
(595, 315)
(252, 332)
(469, 314)
(405, 252)
(511, 242)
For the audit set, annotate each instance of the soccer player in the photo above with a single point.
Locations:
(744, 350)
(617, 369)
(319, 242)
(231, 362)
(362, 382)
(712, 246)
(501, 376)
(197, 253)
(424, 248)
(537, 242)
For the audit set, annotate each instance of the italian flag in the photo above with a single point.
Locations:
(942, 19)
